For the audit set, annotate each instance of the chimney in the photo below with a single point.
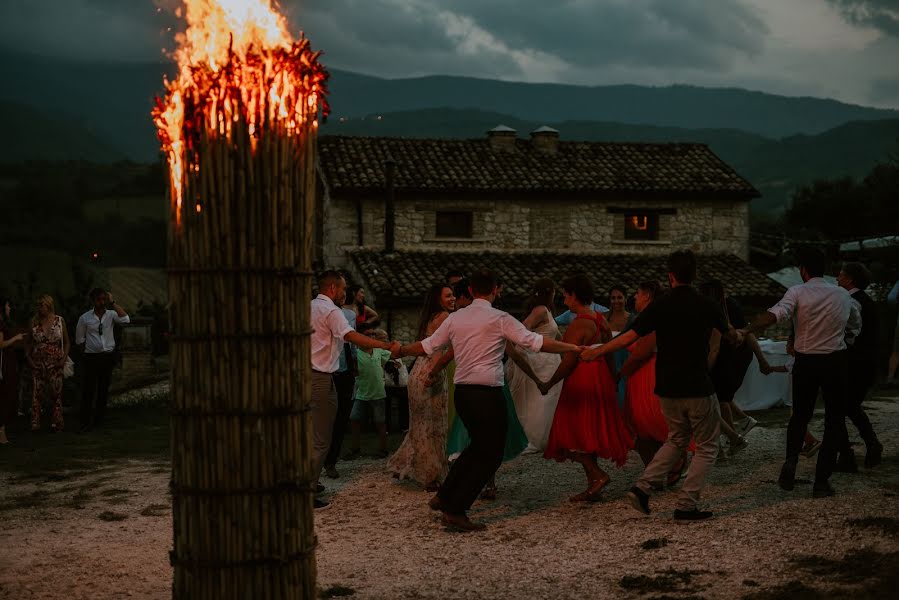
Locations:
(390, 206)
(502, 138)
(545, 139)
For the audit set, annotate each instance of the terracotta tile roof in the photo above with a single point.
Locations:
(357, 164)
(403, 277)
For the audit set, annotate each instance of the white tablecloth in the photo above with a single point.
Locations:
(759, 391)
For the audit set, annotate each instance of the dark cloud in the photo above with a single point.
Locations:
(112, 30)
(879, 14)
(392, 38)
(655, 33)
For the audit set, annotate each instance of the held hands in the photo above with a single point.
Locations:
(544, 387)
(431, 379)
(395, 350)
(592, 353)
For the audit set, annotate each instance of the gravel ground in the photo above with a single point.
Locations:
(106, 534)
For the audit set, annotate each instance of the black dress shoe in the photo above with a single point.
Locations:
(692, 515)
(639, 500)
(320, 504)
(787, 479)
(822, 490)
(874, 455)
(319, 488)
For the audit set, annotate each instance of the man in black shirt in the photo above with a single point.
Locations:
(684, 322)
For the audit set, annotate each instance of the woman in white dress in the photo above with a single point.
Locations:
(535, 411)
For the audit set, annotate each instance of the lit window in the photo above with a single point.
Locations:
(455, 224)
(641, 226)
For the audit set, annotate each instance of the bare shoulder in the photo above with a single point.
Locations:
(580, 331)
(437, 321)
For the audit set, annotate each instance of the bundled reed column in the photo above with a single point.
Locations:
(240, 254)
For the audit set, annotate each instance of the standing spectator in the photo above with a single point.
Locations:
(344, 380)
(9, 372)
(892, 377)
(95, 335)
(685, 324)
(355, 301)
(46, 352)
(854, 278)
(823, 316)
(371, 395)
(329, 332)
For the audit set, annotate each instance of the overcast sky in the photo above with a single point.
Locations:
(843, 49)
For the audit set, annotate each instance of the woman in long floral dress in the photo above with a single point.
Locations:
(422, 455)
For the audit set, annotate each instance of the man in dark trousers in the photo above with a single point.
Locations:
(94, 334)
(687, 325)
(478, 336)
(854, 277)
(823, 317)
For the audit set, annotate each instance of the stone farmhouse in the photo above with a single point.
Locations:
(397, 213)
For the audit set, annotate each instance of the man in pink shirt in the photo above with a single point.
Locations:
(478, 336)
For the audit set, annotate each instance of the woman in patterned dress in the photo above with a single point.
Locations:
(46, 352)
(422, 455)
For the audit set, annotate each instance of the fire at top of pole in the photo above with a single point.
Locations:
(237, 63)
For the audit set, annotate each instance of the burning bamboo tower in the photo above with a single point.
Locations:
(238, 126)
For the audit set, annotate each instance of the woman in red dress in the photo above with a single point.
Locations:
(587, 423)
(642, 405)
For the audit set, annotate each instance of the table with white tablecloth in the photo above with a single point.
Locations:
(760, 391)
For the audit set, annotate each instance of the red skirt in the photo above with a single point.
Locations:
(587, 418)
(643, 408)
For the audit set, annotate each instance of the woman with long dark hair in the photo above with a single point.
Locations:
(731, 364)
(9, 372)
(619, 319)
(422, 455)
(355, 301)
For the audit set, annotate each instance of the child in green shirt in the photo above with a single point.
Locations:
(370, 395)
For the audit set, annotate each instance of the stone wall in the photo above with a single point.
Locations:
(537, 223)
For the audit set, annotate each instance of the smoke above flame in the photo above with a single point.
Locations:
(240, 73)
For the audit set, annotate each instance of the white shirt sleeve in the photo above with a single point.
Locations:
(518, 334)
(784, 309)
(120, 320)
(337, 324)
(438, 338)
(80, 331)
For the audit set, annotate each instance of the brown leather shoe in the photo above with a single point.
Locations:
(461, 523)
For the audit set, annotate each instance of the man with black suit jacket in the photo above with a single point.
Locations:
(854, 278)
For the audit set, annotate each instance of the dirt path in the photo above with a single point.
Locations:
(106, 533)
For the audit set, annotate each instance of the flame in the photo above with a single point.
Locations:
(238, 68)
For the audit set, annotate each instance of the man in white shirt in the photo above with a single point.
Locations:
(824, 317)
(94, 334)
(329, 332)
(478, 335)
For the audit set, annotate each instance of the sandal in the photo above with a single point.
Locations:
(596, 487)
